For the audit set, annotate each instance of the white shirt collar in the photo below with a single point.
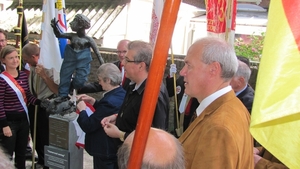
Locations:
(209, 99)
(137, 86)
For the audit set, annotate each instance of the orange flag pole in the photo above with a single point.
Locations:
(154, 80)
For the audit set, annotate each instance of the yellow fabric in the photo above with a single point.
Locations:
(275, 118)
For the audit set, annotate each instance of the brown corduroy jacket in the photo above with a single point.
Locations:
(219, 138)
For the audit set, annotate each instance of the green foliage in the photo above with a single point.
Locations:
(251, 47)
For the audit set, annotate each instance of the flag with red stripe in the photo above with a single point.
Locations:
(275, 118)
(156, 15)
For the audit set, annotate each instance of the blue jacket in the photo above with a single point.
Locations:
(97, 143)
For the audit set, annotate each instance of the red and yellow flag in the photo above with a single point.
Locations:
(275, 119)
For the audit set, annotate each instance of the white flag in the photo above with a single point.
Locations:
(156, 16)
(50, 54)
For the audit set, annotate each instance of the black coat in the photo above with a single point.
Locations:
(129, 113)
(247, 97)
(180, 91)
(97, 142)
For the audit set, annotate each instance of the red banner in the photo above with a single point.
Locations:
(216, 15)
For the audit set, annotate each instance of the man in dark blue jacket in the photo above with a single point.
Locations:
(239, 84)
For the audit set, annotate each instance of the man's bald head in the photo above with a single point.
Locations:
(162, 151)
(122, 48)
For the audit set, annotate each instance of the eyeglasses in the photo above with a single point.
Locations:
(120, 52)
(131, 61)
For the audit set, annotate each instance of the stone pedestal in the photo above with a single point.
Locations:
(62, 152)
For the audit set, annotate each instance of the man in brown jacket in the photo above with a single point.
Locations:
(219, 136)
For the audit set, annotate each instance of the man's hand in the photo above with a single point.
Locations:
(256, 155)
(109, 119)
(112, 130)
(39, 69)
(173, 70)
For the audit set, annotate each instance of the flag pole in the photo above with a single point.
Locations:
(154, 81)
(18, 30)
(35, 121)
(178, 130)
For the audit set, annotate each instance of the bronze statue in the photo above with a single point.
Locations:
(76, 64)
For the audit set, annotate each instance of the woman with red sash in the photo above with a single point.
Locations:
(15, 95)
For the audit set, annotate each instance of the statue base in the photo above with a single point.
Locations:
(62, 152)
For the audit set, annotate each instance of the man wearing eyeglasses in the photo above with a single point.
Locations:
(136, 64)
(121, 52)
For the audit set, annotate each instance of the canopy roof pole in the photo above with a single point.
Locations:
(154, 80)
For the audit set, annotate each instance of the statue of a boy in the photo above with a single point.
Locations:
(77, 56)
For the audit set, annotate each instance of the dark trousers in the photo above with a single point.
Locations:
(99, 163)
(42, 130)
(17, 143)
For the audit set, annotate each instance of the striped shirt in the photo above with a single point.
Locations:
(10, 106)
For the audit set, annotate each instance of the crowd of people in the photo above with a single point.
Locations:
(212, 90)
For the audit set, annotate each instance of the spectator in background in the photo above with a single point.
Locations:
(242, 89)
(136, 64)
(97, 143)
(186, 104)
(219, 136)
(244, 59)
(42, 86)
(162, 151)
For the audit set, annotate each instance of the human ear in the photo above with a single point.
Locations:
(215, 68)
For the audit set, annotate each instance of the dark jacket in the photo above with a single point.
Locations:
(247, 97)
(128, 115)
(97, 143)
(180, 91)
(1, 68)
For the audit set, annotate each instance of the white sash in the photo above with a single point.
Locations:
(18, 92)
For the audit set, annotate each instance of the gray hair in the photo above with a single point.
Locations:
(243, 71)
(178, 161)
(110, 71)
(218, 50)
(143, 52)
